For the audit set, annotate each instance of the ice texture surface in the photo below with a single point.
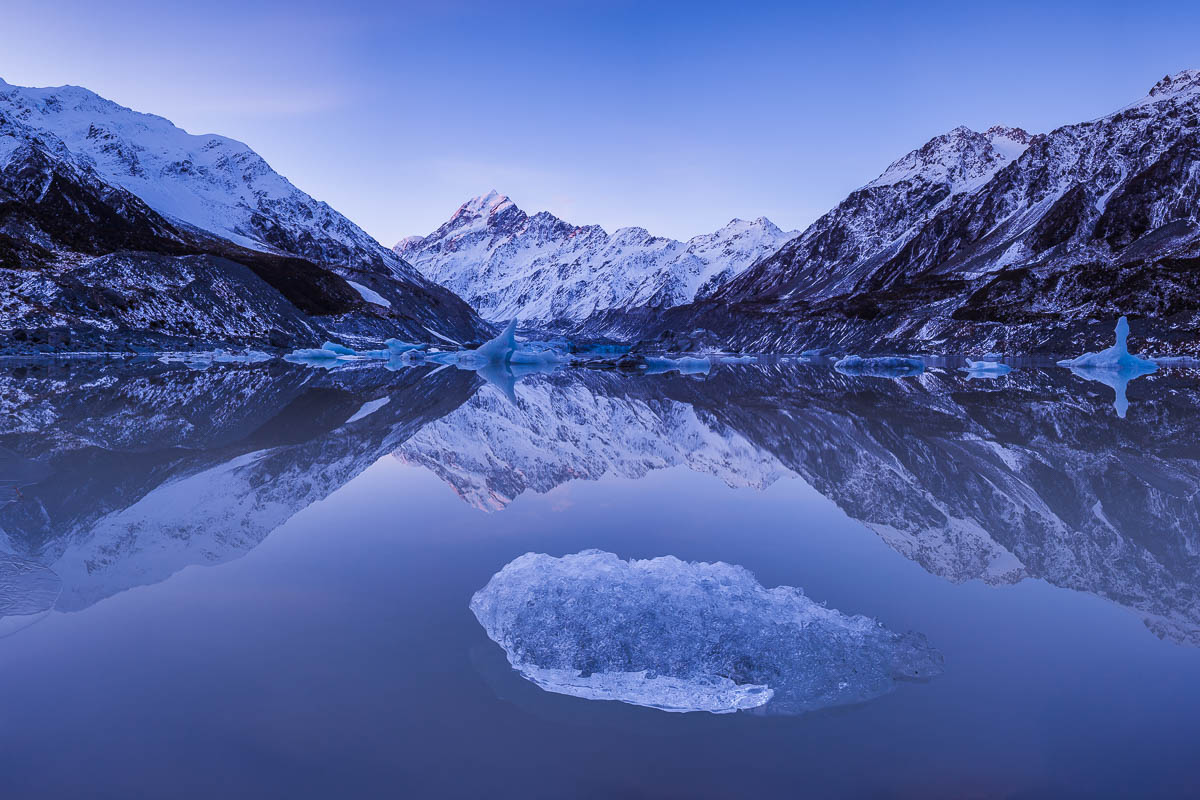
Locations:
(27, 589)
(688, 636)
(880, 366)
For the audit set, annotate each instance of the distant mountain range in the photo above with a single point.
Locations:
(998, 240)
(118, 229)
(995, 240)
(552, 273)
(117, 225)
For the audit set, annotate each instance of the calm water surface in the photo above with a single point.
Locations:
(255, 581)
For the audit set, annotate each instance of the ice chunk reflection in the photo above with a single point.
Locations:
(682, 636)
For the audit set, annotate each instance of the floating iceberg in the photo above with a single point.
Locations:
(326, 359)
(737, 360)
(337, 349)
(502, 350)
(682, 636)
(1114, 367)
(332, 354)
(985, 369)
(397, 347)
(656, 365)
(880, 366)
(496, 351)
(1116, 357)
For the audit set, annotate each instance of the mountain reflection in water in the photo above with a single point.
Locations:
(116, 476)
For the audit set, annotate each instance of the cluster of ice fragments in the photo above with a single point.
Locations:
(204, 360)
(332, 354)
(680, 636)
(880, 366)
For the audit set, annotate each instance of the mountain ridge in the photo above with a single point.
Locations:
(543, 269)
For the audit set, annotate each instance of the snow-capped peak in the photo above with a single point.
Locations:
(961, 157)
(1185, 82)
(486, 204)
(542, 269)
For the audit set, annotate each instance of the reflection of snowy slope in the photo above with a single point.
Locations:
(153, 472)
(681, 636)
(577, 426)
(1031, 481)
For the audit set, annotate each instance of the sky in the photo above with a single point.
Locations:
(673, 116)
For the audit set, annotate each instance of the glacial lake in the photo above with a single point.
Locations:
(273, 581)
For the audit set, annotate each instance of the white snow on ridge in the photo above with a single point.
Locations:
(369, 294)
(542, 269)
(962, 158)
(207, 181)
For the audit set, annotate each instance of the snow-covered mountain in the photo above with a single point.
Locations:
(995, 238)
(83, 178)
(210, 182)
(508, 264)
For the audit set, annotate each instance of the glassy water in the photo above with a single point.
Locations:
(267, 581)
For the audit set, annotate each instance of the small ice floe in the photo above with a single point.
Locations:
(680, 636)
(1114, 367)
(337, 349)
(985, 369)
(688, 365)
(880, 366)
(398, 347)
(332, 354)
(737, 359)
(205, 359)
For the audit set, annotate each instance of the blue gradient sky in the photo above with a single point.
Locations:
(674, 116)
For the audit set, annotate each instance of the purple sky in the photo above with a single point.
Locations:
(676, 117)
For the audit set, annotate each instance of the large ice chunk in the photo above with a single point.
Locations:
(1114, 367)
(880, 366)
(682, 636)
(495, 351)
(1116, 357)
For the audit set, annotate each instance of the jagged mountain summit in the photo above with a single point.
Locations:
(119, 224)
(539, 268)
(994, 239)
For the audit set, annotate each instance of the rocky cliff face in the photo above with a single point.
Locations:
(549, 272)
(82, 178)
(994, 240)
